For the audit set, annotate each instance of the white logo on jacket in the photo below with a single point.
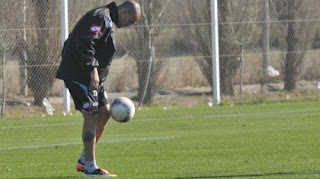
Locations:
(109, 22)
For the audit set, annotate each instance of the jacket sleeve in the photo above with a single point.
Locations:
(88, 36)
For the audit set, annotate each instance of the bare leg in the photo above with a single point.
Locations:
(89, 134)
(98, 124)
(104, 116)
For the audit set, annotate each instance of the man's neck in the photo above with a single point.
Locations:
(114, 12)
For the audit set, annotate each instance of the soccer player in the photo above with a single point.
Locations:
(86, 58)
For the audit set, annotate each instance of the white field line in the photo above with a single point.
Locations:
(37, 139)
(42, 125)
(180, 117)
(80, 143)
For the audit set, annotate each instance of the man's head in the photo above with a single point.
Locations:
(129, 12)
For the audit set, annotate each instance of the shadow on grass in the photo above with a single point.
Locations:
(252, 175)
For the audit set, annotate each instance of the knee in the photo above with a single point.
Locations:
(88, 136)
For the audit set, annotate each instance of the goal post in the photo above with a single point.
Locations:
(64, 37)
(215, 52)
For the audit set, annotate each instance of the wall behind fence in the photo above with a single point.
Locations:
(267, 51)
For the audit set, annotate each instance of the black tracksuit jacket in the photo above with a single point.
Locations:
(90, 44)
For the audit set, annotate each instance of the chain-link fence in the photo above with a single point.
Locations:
(269, 50)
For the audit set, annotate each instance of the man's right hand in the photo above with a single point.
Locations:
(95, 81)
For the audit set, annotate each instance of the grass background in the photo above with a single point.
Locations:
(269, 140)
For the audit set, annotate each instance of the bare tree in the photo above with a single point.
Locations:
(233, 33)
(18, 36)
(7, 43)
(43, 47)
(3, 51)
(23, 55)
(142, 48)
(299, 36)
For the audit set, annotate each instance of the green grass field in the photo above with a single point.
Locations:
(274, 140)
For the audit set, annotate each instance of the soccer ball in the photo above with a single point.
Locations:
(122, 109)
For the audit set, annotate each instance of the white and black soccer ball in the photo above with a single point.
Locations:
(122, 109)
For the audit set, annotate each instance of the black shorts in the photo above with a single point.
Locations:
(85, 99)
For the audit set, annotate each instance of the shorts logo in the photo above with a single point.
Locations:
(95, 104)
(86, 105)
(95, 93)
(95, 29)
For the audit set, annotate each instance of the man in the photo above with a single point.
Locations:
(86, 59)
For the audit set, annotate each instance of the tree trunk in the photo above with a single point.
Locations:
(44, 51)
(292, 58)
(228, 57)
(227, 75)
(290, 76)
